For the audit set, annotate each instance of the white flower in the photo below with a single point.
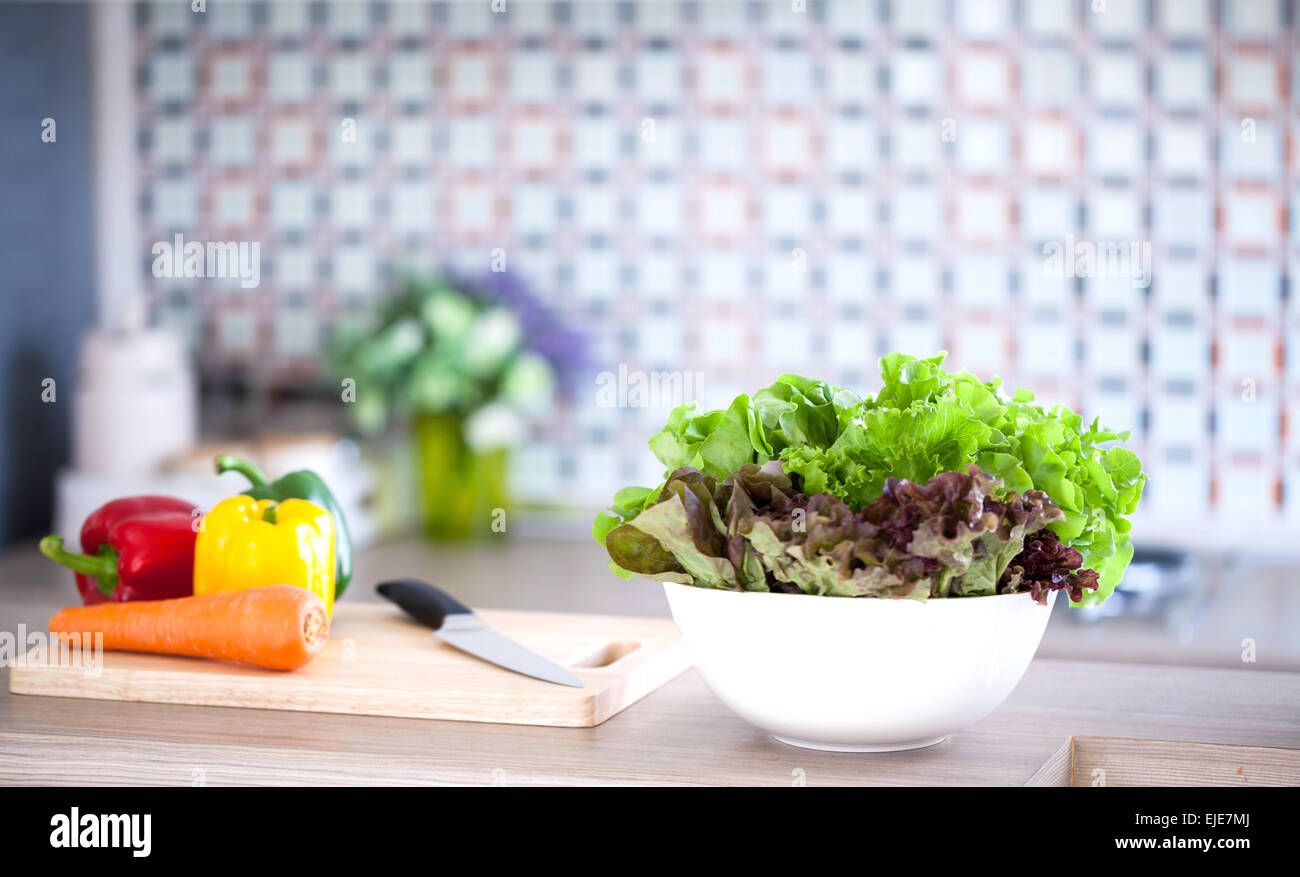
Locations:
(394, 347)
(529, 383)
(434, 385)
(493, 426)
(492, 338)
(449, 316)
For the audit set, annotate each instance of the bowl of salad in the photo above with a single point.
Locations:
(875, 573)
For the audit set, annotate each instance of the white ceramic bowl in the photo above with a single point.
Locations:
(858, 675)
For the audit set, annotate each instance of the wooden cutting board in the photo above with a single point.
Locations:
(379, 663)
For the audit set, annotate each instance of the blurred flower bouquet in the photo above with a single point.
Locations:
(465, 361)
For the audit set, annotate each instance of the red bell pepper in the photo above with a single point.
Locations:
(136, 548)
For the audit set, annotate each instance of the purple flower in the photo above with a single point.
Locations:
(544, 333)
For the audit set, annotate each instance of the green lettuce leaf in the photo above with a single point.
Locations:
(924, 421)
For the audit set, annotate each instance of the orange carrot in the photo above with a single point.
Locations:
(279, 627)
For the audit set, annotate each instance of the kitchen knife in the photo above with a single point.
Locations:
(457, 625)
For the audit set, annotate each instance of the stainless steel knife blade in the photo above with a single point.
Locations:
(469, 633)
(456, 624)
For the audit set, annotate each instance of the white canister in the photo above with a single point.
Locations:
(135, 401)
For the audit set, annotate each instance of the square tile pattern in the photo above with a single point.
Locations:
(725, 191)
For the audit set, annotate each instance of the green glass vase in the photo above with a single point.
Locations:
(464, 491)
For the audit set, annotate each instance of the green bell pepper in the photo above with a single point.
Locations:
(302, 484)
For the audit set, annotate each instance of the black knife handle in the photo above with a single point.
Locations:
(422, 601)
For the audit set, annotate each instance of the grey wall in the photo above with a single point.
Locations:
(46, 248)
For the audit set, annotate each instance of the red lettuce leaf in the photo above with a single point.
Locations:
(954, 535)
(1048, 564)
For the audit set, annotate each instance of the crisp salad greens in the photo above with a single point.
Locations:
(784, 490)
(951, 537)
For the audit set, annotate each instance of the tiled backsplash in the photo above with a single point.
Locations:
(732, 190)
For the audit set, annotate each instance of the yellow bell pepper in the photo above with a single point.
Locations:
(250, 543)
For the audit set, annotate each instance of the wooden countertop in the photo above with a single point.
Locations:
(679, 735)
